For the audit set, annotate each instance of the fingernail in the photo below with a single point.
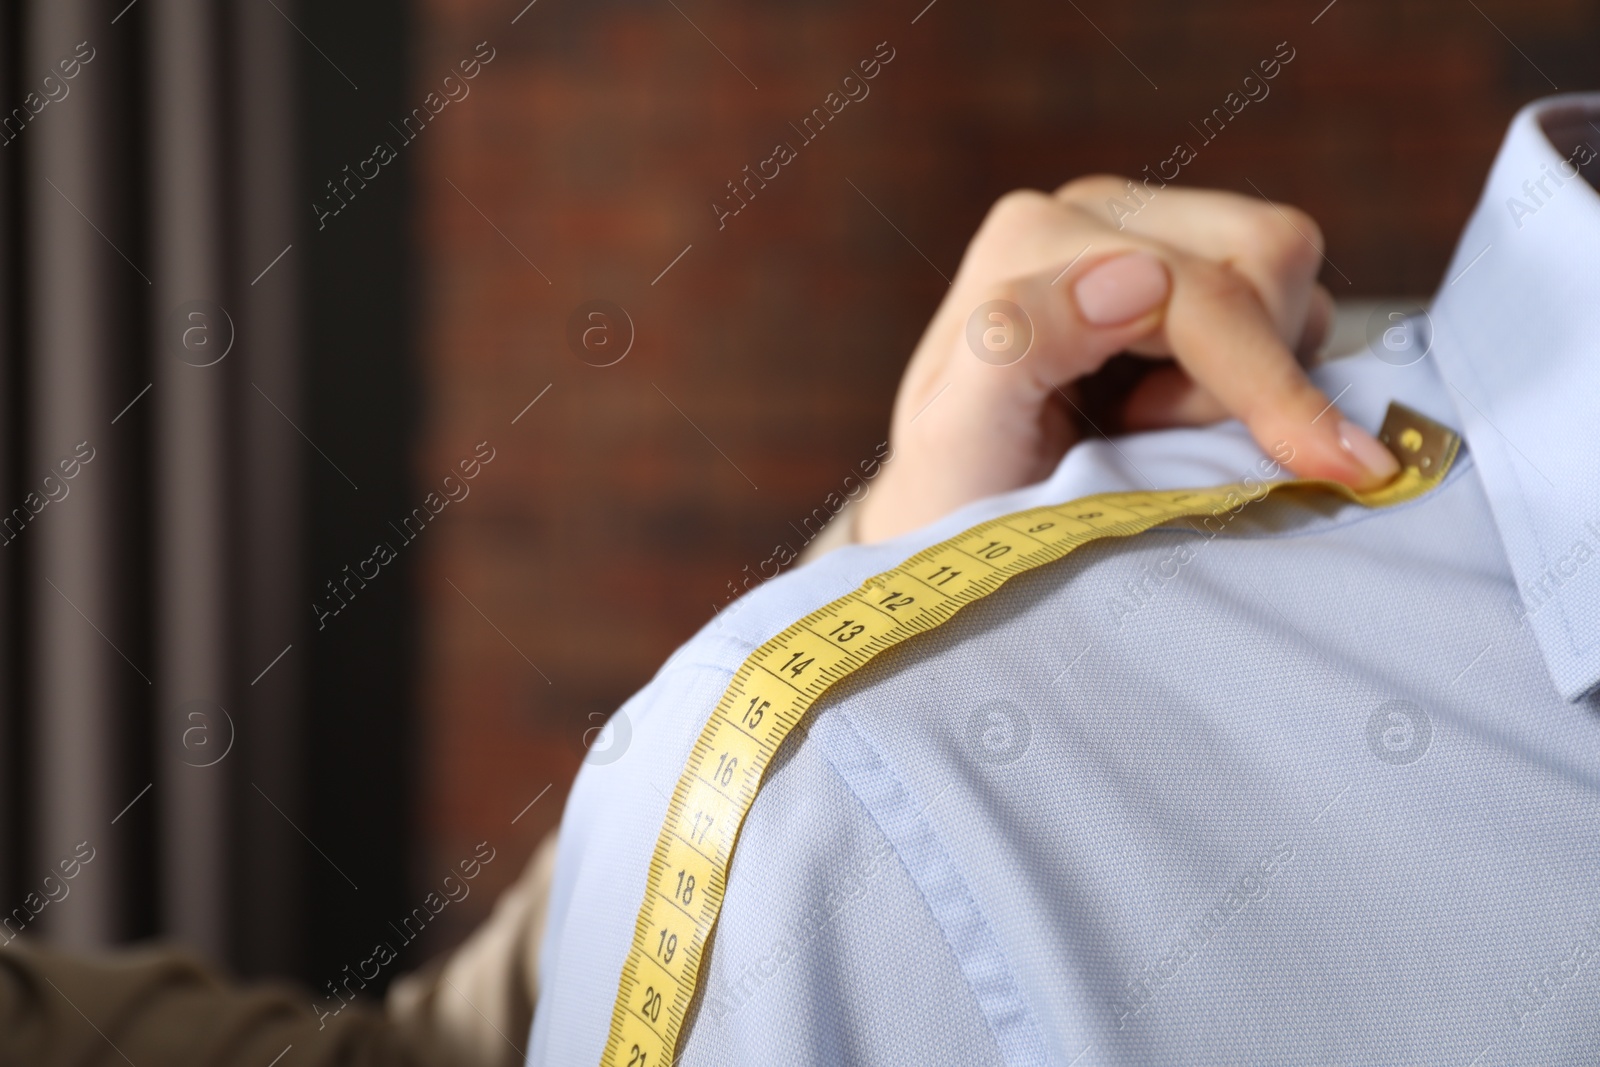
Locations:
(1121, 289)
(1378, 461)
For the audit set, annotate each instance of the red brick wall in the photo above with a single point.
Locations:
(596, 140)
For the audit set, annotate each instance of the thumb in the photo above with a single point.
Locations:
(978, 416)
(1066, 322)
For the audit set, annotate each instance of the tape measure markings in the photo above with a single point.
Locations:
(778, 683)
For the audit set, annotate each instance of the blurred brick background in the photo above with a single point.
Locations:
(607, 527)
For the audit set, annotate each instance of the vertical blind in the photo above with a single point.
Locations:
(150, 520)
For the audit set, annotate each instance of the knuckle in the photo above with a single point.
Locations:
(1012, 290)
(1091, 187)
(1218, 283)
(1304, 225)
(1286, 239)
(1015, 221)
(1020, 205)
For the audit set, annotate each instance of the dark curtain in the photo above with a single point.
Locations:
(175, 479)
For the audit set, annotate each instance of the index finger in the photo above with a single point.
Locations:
(1225, 339)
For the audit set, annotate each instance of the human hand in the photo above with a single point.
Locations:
(1222, 286)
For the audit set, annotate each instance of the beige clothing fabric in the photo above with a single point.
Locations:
(476, 1004)
(840, 531)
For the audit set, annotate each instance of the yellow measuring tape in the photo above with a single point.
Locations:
(781, 680)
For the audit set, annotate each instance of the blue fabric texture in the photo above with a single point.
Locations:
(1322, 787)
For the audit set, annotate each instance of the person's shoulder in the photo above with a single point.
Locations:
(677, 701)
(1187, 458)
(1165, 459)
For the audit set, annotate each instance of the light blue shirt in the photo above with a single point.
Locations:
(1321, 788)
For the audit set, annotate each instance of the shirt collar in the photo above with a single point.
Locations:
(1516, 338)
